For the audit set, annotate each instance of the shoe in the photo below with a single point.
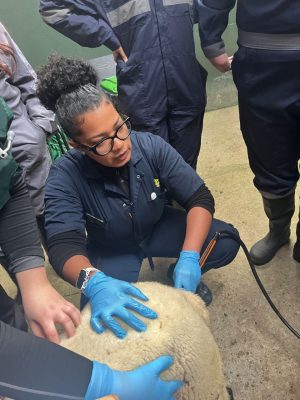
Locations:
(230, 393)
(202, 290)
(170, 271)
(279, 212)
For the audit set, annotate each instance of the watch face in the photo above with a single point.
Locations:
(81, 278)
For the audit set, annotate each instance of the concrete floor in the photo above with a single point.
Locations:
(261, 357)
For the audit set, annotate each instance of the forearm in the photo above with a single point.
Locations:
(213, 20)
(79, 22)
(52, 367)
(198, 225)
(31, 278)
(19, 236)
(200, 208)
(73, 266)
(67, 253)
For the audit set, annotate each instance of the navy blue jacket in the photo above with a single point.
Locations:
(81, 197)
(259, 16)
(162, 72)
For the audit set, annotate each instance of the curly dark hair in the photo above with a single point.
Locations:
(67, 86)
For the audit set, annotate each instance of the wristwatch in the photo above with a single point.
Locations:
(84, 276)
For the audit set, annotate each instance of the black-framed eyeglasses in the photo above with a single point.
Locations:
(106, 144)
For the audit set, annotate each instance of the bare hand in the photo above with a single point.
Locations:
(44, 306)
(120, 53)
(222, 63)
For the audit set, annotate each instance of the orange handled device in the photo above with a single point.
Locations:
(208, 250)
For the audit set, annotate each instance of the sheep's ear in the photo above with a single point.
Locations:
(198, 305)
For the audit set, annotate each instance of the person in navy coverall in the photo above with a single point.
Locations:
(161, 85)
(32, 368)
(106, 201)
(266, 71)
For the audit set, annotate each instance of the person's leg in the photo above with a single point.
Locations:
(168, 236)
(279, 212)
(125, 266)
(185, 132)
(166, 241)
(186, 83)
(270, 127)
(157, 126)
(142, 92)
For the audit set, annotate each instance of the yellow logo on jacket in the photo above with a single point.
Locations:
(156, 182)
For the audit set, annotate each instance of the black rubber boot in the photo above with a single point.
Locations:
(279, 212)
(296, 250)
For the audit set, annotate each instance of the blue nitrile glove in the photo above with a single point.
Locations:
(142, 383)
(187, 272)
(110, 298)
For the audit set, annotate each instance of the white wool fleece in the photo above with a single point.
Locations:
(181, 330)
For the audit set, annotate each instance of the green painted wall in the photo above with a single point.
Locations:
(37, 41)
(34, 37)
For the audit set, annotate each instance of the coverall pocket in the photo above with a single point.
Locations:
(245, 70)
(131, 91)
(120, 64)
(96, 228)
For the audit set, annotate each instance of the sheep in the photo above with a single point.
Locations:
(180, 330)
